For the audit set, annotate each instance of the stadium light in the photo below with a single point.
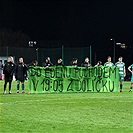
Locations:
(32, 43)
(122, 45)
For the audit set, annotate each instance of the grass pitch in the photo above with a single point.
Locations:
(66, 113)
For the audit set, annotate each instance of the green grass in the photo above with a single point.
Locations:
(66, 113)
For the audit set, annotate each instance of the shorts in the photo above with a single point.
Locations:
(18, 81)
(121, 77)
(8, 79)
(132, 78)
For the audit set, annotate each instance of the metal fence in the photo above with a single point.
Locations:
(31, 54)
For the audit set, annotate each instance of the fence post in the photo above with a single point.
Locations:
(90, 55)
(37, 53)
(63, 54)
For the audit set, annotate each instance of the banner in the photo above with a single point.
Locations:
(73, 79)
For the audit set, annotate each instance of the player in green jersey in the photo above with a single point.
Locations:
(130, 68)
(122, 71)
(109, 63)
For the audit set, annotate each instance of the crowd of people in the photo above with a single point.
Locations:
(21, 74)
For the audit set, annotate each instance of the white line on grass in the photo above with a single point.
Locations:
(44, 101)
(29, 101)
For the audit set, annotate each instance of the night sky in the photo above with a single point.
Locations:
(92, 21)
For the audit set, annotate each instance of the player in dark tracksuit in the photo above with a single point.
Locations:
(20, 74)
(8, 71)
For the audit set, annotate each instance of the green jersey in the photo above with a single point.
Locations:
(131, 66)
(108, 64)
(121, 67)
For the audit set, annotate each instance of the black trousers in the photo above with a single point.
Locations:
(10, 84)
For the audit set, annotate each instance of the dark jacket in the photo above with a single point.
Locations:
(21, 72)
(48, 64)
(59, 64)
(73, 64)
(8, 70)
(1, 65)
(86, 64)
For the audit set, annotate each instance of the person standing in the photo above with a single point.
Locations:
(74, 62)
(59, 62)
(130, 68)
(33, 63)
(99, 63)
(86, 63)
(20, 74)
(1, 67)
(108, 63)
(47, 63)
(122, 71)
(8, 71)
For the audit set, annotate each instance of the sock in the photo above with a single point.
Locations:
(22, 87)
(130, 88)
(120, 86)
(10, 85)
(18, 87)
(5, 87)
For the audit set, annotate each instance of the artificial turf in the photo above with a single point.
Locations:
(66, 112)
